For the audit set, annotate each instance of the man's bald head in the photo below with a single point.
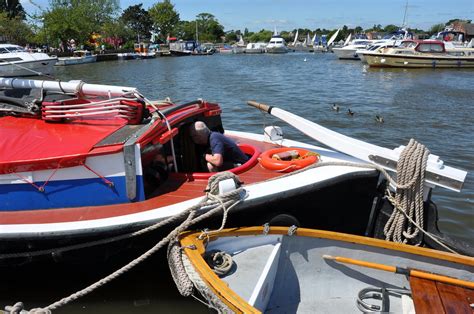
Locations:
(199, 132)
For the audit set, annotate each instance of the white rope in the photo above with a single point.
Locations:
(408, 201)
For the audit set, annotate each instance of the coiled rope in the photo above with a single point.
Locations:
(211, 204)
(220, 262)
(408, 199)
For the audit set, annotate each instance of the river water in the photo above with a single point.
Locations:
(432, 106)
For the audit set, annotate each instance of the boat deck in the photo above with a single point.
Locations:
(177, 188)
(435, 297)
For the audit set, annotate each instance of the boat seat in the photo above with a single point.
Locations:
(435, 297)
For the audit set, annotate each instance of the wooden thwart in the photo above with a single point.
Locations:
(435, 297)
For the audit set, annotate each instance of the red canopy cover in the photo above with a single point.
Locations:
(32, 144)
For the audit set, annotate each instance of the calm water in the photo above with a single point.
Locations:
(432, 106)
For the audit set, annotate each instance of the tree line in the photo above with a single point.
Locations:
(103, 22)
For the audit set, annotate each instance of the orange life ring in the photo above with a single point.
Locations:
(270, 163)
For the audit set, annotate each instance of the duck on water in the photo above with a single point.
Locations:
(84, 162)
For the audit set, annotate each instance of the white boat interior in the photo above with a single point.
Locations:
(288, 274)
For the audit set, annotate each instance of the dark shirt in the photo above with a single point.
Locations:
(220, 144)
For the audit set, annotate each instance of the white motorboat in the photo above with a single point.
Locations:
(276, 44)
(376, 46)
(16, 61)
(394, 39)
(422, 54)
(78, 57)
(255, 48)
(349, 52)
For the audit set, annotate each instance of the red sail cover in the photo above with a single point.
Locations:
(32, 144)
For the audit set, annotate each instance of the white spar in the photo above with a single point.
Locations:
(75, 87)
(364, 150)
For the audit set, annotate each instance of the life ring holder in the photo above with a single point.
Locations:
(269, 163)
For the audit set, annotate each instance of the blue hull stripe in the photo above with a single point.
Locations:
(67, 193)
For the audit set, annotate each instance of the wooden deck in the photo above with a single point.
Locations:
(435, 297)
(178, 188)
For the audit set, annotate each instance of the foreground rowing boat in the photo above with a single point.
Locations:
(290, 270)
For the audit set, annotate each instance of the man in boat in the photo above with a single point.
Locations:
(225, 154)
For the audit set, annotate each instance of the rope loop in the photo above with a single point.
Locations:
(266, 228)
(292, 230)
(220, 262)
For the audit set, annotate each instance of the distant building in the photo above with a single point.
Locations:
(466, 28)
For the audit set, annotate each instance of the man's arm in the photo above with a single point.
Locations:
(215, 159)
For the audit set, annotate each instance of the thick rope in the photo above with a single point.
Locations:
(178, 272)
(409, 196)
(226, 200)
(175, 255)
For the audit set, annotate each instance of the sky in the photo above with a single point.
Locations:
(312, 14)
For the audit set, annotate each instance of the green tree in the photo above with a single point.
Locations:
(231, 36)
(436, 28)
(76, 19)
(457, 20)
(15, 29)
(138, 20)
(262, 36)
(117, 30)
(209, 27)
(164, 17)
(13, 9)
(391, 28)
(186, 30)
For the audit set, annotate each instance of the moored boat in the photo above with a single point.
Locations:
(78, 57)
(422, 54)
(16, 61)
(82, 162)
(276, 44)
(349, 52)
(143, 51)
(292, 270)
(255, 48)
